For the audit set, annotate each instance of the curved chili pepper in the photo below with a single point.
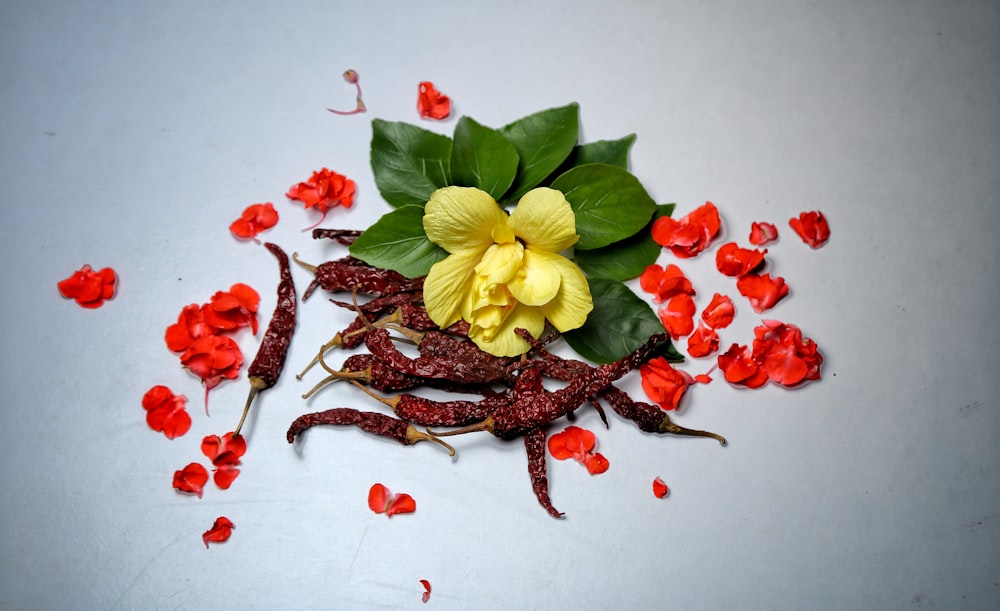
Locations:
(348, 274)
(534, 443)
(372, 422)
(270, 360)
(341, 236)
(650, 418)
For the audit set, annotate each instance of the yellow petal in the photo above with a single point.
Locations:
(500, 262)
(504, 341)
(448, 288)
(538, 278)
(571, 306)
(461, 219)
(544, 220)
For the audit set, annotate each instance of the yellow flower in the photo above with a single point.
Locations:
(504, 272)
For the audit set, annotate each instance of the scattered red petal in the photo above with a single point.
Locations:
(660, 488)
(664, 283)
(763, 233)
(719, 313)
(577, 443)
(762, 290)
(220, 531)
(812, 227)
(703, 341)
(688, 236)
(664, 384)
(224, 451)
(678, 315)
(381, 500)
(165, 412)
(734, 261)
(232, 309)
(596, 463)
(788, 358)
(703, 378)
(213, 358)
(255, 219)
(740, 366)
(191, 479)
(88, 288)
(427, 590)
(325, 189)
(431, 103)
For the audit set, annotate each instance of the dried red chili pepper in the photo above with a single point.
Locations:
(270, 360)
(428, 412)
(372, 422)
(341, 236)
(380, 344)
(534, 444)
(650, 418)
(349, 274)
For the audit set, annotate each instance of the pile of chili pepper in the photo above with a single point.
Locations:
(514, 400)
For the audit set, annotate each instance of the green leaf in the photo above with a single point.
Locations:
(482, 157)
(626, 258)
(409, 162)
(397, 241)
(619, 323)
(610, 203)
(611, 152)
(543, 141)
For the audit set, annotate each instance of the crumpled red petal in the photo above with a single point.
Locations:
(762, 290)
(88, 288)
(254, 219)
(678, 315)
(763, 233)
(381, 500)
(596, 463)
(665, 282)
(688, 236)
(325, 189)
(812, 227)
(660, 488)
(431, 103)
(427, 590)
(573, 442)
(734, 261)
(703, 341)
(719, 313)
(165, 412)
(739, 366)
(663, 384)
(191, 479)
(220, 532)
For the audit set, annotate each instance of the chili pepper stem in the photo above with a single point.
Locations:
(308, 266)
(667, 426)
(485, 425)
(390, 401)
(414, 436)
(256, 385)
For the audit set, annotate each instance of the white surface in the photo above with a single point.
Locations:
(133, 136)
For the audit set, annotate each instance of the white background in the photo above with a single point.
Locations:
(133, 135)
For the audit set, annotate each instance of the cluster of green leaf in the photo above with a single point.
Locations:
(613, 211)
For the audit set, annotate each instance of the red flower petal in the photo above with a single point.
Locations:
(734, 261)
(224, 451)
(678, 315)
(719, 313)
(739, 366)
(88, 288)
(224, 476)
(762, 290)
(427, 590)
(573, 442)
(663, 384)
(812, 227)
(763, 233)
(220, 531)
(703, 341)
(660, 488)
(165, 412)
(689, 235)
(254, 219)
(596, 463)
(324, 190)
(232, 309)
(378, 498)
(664, 283)
(191, 479)
(431, 103)
(213, 358)
(401, 503)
